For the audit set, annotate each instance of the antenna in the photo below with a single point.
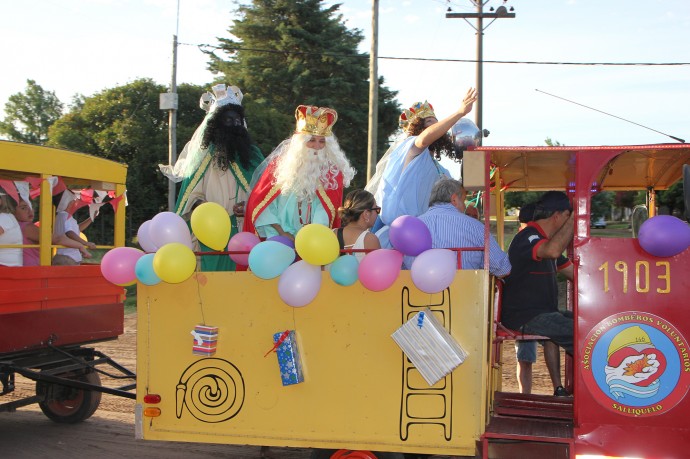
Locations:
(600, 111)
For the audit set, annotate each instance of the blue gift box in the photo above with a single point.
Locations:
(288, 357)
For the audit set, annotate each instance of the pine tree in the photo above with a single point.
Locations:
(292, 52)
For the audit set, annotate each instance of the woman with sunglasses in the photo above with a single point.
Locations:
(357, 216)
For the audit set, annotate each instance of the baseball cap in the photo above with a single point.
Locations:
(555, 201)
(526, 214)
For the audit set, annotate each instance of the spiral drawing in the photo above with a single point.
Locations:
(211, 389)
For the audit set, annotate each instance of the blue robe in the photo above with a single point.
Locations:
(406, 190)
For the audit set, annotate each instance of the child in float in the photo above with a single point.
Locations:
(66, 225)
(30, 232)
(10, 232)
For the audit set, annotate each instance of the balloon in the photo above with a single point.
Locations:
(174, 263)
(168, 227)
(268, 259)
(299, 284)
(379, 269)
(317, 244)
(211, 225)
(144, 270)
(664, 236)
(434, 270)
(144, 237)
(242, 242)
(410, 235)
(344, 270)
(283, 240)
(117, 265)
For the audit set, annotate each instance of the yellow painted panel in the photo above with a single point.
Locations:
(360, 392)
(26, 159)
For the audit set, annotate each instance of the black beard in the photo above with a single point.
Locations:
(444, 146)
(231, 143)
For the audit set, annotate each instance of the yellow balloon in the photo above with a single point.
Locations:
(174, 263)
(317, 244)
(211, 225)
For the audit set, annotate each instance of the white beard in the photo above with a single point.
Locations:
(301, 170)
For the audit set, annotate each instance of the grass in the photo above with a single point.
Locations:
(131, 299)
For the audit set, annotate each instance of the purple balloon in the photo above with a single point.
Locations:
(410, 235)
(434, 270)
(664, 236)
(168, 227)
(144, 237)
(299, 284)
(283, 240)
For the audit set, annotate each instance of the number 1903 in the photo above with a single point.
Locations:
(661, 273)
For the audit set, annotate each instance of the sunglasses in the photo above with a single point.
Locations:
(376, 209)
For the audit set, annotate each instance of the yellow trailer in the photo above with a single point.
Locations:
(360, 392)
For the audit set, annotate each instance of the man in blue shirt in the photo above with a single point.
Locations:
(451, 228)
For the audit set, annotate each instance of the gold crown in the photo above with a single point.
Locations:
(418, 110)
(315, 120)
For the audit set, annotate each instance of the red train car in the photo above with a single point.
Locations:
(49, 313)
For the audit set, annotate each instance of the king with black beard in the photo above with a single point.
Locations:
(410, 168)
(217, 164)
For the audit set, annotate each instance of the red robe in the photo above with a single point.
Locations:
(265, 191)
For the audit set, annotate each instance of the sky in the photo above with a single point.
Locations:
(85, 46)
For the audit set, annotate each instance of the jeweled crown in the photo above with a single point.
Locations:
(417, 110)
(222, 95)
(315, 120)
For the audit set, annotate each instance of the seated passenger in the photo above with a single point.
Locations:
(357, 216)
(526, 351)
(30, 232)
(66, 225)
(10, 233)
(451, 228)
(530, 297)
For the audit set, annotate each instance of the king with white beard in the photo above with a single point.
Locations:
(303, 181)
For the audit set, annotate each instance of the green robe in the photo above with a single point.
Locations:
(208, 183)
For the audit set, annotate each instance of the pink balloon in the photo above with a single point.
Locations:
(144, 237)
(118, 264)
(243, 242)
(379, 269)
(664, 236)
(168, 227)
(434, 270)
(410, 235)
(299, 284)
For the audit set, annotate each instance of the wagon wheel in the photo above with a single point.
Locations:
(347, 454)
(69, 405)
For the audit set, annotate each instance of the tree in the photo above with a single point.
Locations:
(125, 124)
(292, 52)
(601, 204)
(30, 114)
(673, 198)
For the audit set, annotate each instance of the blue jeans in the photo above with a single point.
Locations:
(526, 351)
(558, 326)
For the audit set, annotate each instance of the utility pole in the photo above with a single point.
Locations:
(501, 12)
(169, 101)
(373, 90)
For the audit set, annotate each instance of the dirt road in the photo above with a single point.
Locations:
(109, 433)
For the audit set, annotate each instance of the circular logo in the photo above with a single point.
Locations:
(636, 364)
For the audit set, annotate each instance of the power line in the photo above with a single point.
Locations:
(204, 48)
